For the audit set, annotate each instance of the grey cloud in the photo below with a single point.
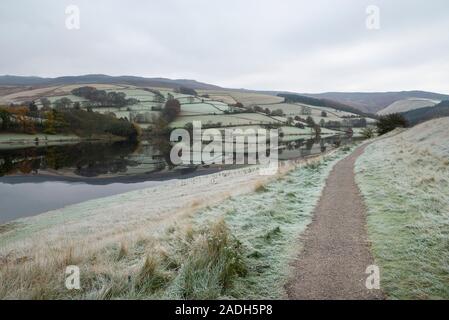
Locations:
(305, 46)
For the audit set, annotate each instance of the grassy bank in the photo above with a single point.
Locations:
(9, 141)
(22, 138)
(240, 248)
(406, 189)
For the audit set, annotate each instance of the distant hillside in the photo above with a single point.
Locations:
(323, 103)
(358, 102)
(423, 114)
(101, 78)
(407, 105)
(375, 101)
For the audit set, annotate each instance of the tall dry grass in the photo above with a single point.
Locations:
(185, 263)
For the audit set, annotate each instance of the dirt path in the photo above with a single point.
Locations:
(336, 252)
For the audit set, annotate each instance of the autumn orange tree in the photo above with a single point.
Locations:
(50, 123)
(20, 115)
(55, 122)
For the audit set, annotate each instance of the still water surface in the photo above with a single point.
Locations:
(39, 179)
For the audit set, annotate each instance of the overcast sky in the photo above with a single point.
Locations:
(302, 46)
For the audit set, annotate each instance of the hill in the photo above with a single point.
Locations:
(375, 101)
(8, 80)
(364, 102)
(423, 114)
(323, 103)
(407, 105)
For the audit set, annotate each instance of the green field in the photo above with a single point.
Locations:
(190, 109)
(225, 120)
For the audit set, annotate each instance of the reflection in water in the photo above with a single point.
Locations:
(83, 159)
(292, 148)
(126, 158)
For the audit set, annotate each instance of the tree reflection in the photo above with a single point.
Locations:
(84, 159)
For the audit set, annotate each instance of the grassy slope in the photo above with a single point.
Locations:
(406, 190)
(407, 105)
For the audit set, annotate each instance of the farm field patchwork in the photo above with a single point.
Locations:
(247, 98)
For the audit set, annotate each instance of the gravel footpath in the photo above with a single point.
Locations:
(336, 251)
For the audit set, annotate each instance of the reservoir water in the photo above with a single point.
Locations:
(42, 178)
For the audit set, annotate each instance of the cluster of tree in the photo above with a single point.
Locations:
(390, 122)
(332, 124)
(5, 119)
(296, 98)
(32, 106)
(46, 103)
(159, 97)
(277, 113)
(17, 119)
(268, 112)
(160, 129)
(54, 122)
(186, 90)
(257, 109)
(63, 103)
(74, 121)
(368, 133)
(238, 108)
(350, 116)
(424, 114)
(87, 123)
(171, 110)
(301, 122)
(103, 98)
(308, 121)
(299, 125)
(345, 123)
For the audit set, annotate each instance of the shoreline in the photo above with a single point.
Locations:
(124, 214)
(155, 176)
(11, 141)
